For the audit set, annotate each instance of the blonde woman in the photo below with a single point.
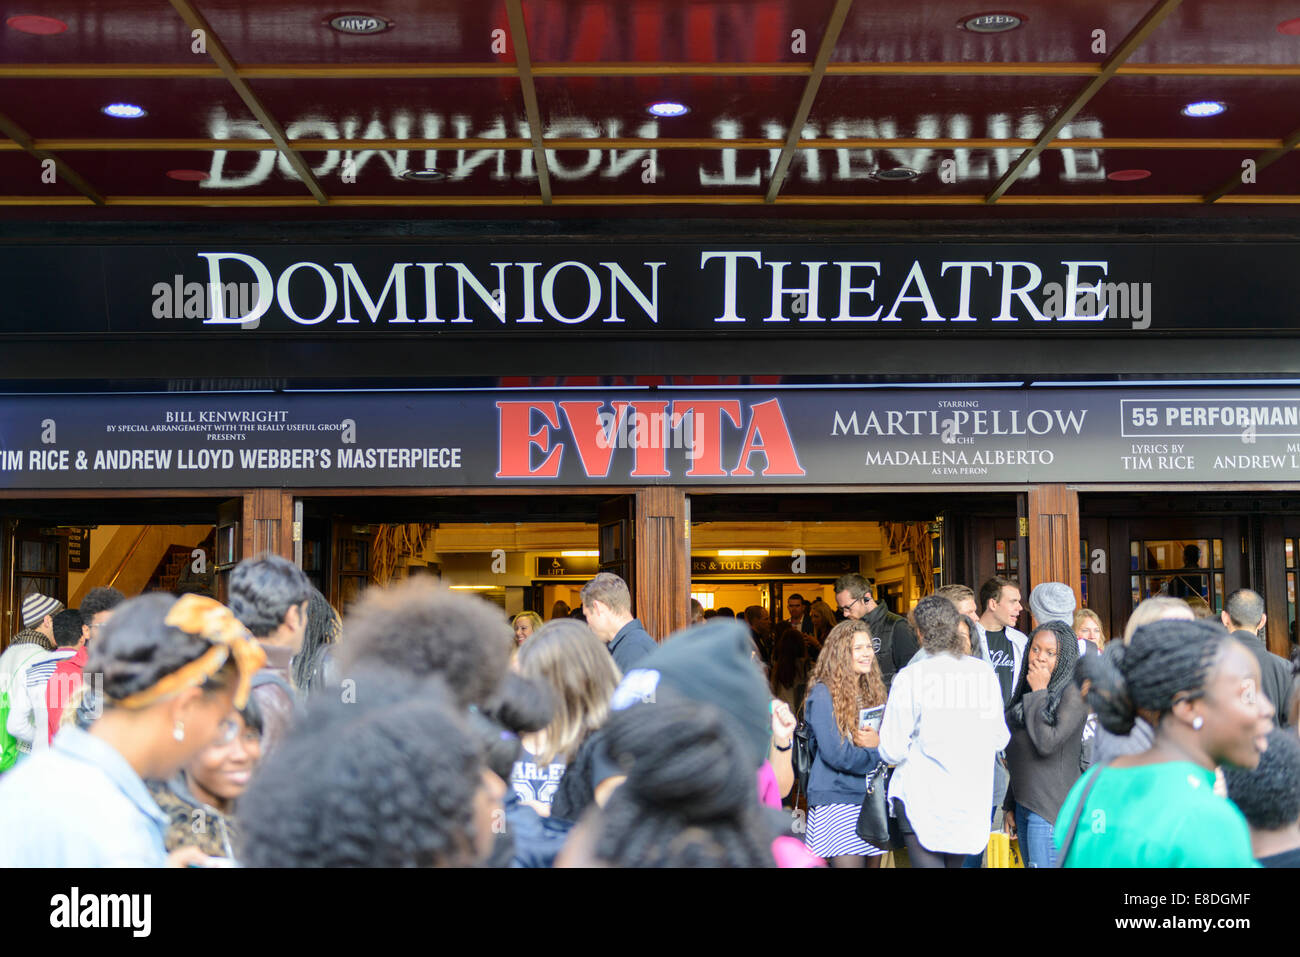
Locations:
(823, 617)
(1088, 627)
(845, 680)
(569, 768)
(525, 624)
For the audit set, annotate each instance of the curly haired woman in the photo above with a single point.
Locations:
(846, 679)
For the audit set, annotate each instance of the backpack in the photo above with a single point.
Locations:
(8, 743)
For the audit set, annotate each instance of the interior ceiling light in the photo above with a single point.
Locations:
(187, 175)
(668, 108)
(423, 175)
(742, 553)
(898, 174)
(36, 25)
(358, 24)
(1204, 108)
(1290, 27)
(997, 22)
(125, 111)
(580, 554)
(1128, 175)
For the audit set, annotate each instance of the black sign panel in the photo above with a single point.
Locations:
(784, 564)
(648, 289)
(79, 550)
(563, 566)
(849, 437)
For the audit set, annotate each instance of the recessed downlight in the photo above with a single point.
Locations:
(429, 175)
(1204, 108)
(1128, 175)
(668, 108)
(125, 111)
(999, 21)
(899, 174)
(36, 25)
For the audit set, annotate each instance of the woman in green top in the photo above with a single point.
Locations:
(1199, 689)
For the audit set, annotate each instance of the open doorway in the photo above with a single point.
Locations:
(63, 548)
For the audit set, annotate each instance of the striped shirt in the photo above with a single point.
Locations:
(27, 710)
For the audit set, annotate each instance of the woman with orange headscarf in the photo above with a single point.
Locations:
(160, 680)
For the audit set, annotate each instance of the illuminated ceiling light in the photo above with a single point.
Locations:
(1204, 108)
(187, 175)
(1128, 175)
(999, 22)
(423, 175)
(1290, 27)
(667, 108)
(743, 553)
(899, 174)
(358, 24)
(125, 111)
(472, 587)
(36, 25)
(589, 554)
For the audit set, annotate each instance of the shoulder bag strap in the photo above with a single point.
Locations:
(1078, 813)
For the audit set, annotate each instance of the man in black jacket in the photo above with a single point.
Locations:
(893, 637)
(799, 619)
(1243, 615)
(607, 603)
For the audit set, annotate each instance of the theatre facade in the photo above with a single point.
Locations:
(737, 415)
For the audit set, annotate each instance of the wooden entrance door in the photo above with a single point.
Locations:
(1200, 559)
(38, 562)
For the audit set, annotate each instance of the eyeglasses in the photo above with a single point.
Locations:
(849, 607)
(230, 729)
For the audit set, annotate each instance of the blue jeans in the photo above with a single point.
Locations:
(1035, 834)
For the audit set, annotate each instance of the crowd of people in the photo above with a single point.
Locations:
(427, 729)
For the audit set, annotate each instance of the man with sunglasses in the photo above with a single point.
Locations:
(893, 637)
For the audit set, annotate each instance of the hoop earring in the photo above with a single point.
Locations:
(1197, 723)
(178, 732)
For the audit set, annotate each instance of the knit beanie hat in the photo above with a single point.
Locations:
(1052, 601)
(36, 606)
(709, 663)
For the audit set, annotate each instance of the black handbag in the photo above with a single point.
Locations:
(805, 752)
(875, 826)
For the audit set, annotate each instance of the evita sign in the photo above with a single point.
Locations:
(648, 289)
(849, 437)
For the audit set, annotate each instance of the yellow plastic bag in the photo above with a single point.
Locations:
(1003, 852)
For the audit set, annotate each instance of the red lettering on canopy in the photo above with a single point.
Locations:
(595, 443)
(515, 443)
(707, 433)
(650, 451)
(768, 433)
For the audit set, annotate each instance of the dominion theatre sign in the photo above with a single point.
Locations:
(647, 289)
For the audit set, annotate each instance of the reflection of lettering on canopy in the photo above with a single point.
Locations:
(720, 167)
